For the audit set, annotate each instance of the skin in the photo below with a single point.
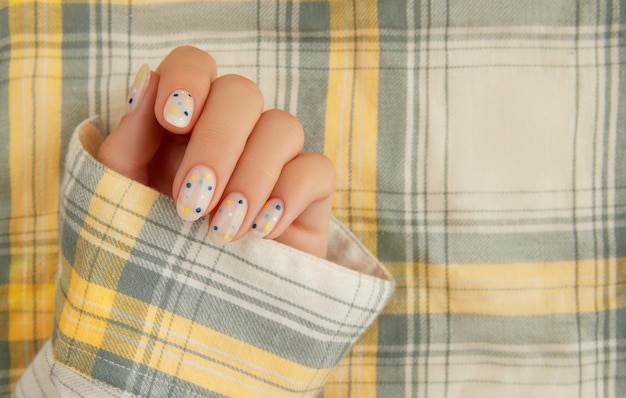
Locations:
(253, 152)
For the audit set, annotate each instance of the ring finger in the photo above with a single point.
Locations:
(277, 138)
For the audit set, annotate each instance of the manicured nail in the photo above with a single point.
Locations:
(228, 218)
(267, 219)
(178, 108)
(195, 193)
(137, 90)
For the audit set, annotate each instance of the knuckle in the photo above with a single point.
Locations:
(243, 85)
(288, 125)
(323, 166)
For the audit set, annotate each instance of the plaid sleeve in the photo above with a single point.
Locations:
(146, 305)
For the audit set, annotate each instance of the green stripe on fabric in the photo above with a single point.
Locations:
(604, 250)
(392, 141)
(142, 380)
(5, 363)
(75, 47)
(398, 156)
(5, 193)
(232, 17)
(314, 25)
(507, 331)
(507, 13)
(496, 248)
(614, 327)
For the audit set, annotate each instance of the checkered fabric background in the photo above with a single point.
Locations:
(480, 156)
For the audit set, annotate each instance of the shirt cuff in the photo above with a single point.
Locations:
(145, 303)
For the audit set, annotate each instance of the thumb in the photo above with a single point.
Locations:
(130, 147)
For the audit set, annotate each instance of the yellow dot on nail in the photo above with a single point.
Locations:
(227, 201)
(266, 204)
(187, 100)
(266, 226)
(243, 213)
(193, 178)
(186, 210)
(226, 236)
(137, 76)
(173, 110)
(208, 176)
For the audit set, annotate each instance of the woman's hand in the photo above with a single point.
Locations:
(206, 141)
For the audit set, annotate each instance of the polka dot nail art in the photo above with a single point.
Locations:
(267, 219)
(138, 88)
(179, 108)
(228, 218)
(195, 193)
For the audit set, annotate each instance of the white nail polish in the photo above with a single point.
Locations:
(195, 193)
(228, 218)
(268, 217)
(179, 108)
(137, 90)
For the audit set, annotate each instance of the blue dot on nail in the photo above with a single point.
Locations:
(240, 201)
(186, 113)
(253, 226)
(188, 185)
(233, 227)
(278, 207)
(266, 216)
(198, 210)
(215, 228)
(220, 210)
(200, 182)
(130, 101)
(189, 95)
(175, 94)
(210, 188)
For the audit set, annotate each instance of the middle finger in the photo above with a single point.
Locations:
(217, 141)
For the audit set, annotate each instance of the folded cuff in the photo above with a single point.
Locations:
(145, 303)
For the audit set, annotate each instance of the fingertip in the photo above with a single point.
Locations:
(185, 78)
(268, 218)
(194, 196)
(129, 147)
(138, 88)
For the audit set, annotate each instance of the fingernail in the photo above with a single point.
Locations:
(178, 108)
(195, 193)
(228, 218)
(142, 78)
(267, 219)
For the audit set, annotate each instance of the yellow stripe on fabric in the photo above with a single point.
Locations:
(115, 227)
(188, 345)
(350, 142)
(513, 289)
(107, 238)
(351, 115)
(356, 373)
(34, 88)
